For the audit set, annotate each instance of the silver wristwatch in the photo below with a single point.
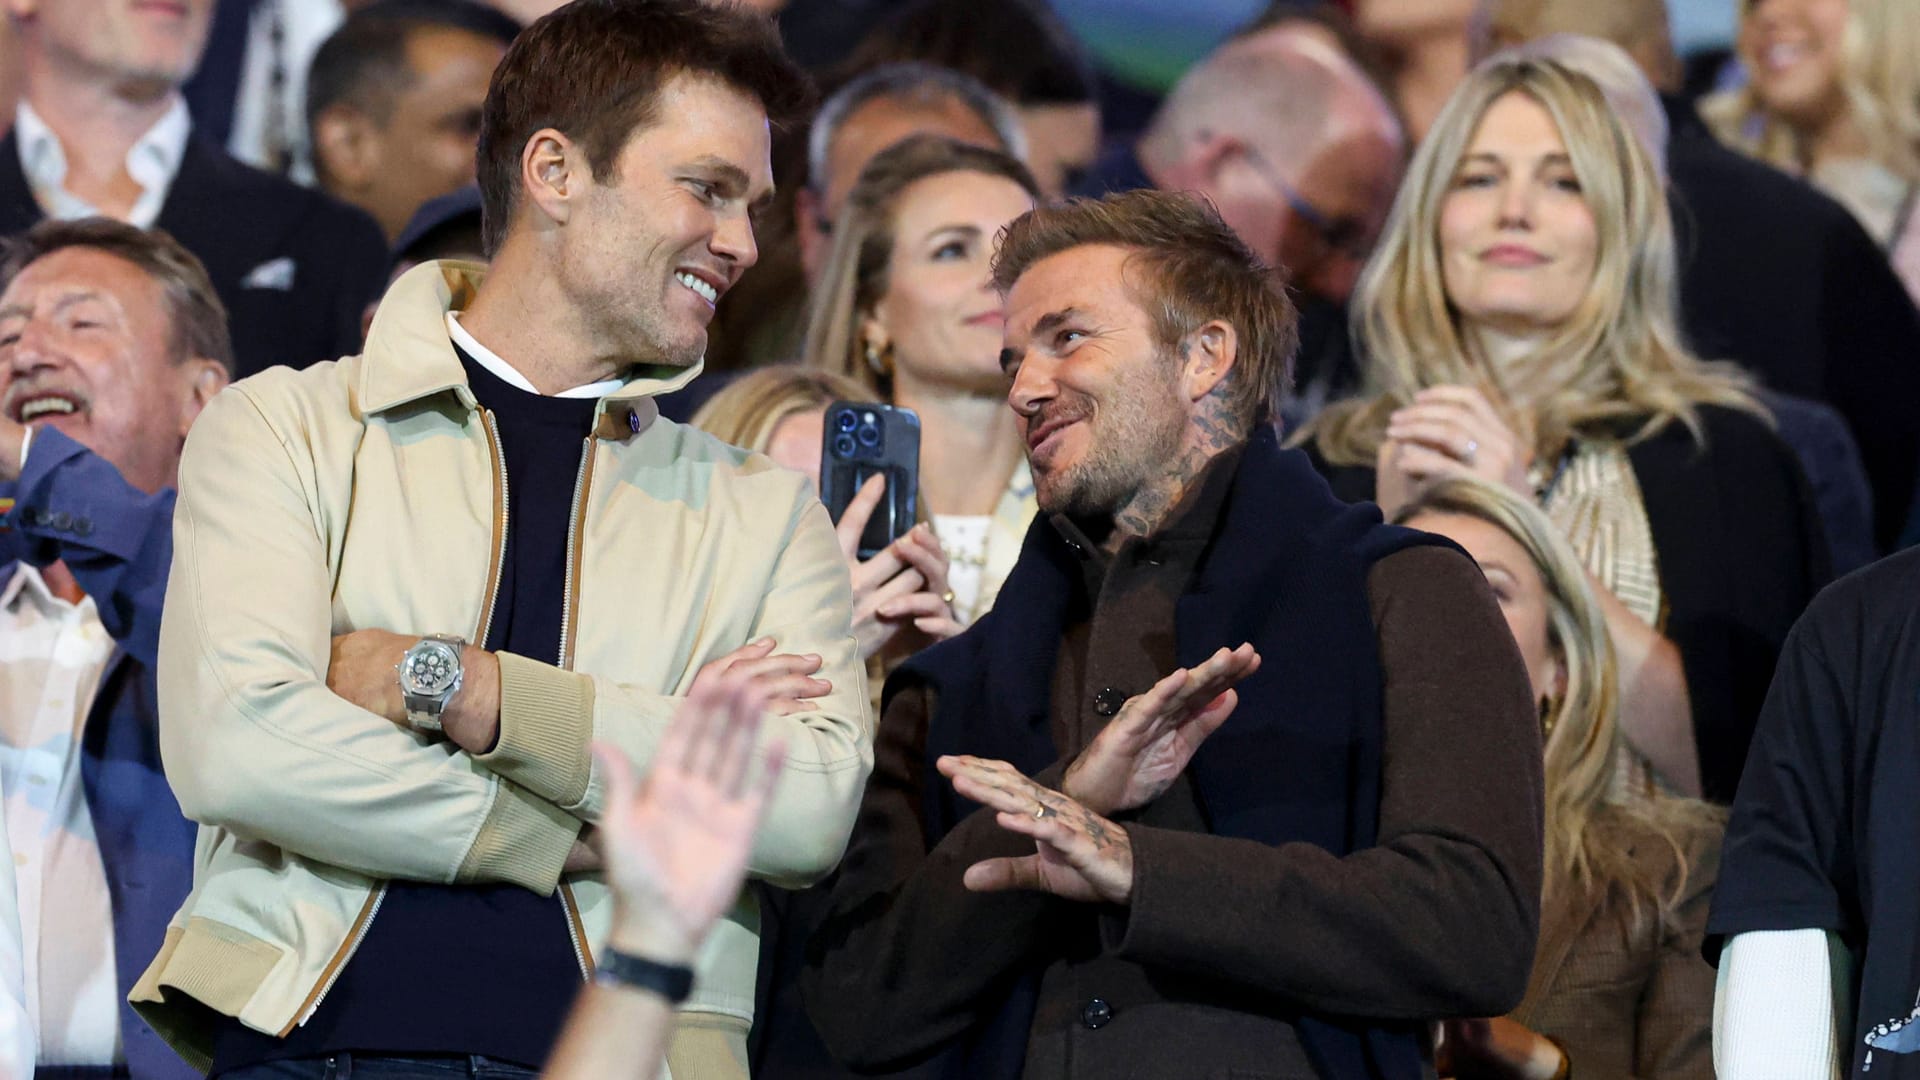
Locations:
(430, 673)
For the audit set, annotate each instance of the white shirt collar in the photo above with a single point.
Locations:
(27, 583)
(508, 374)
(153, 161)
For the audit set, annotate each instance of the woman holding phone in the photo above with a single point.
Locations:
(901, 599)
(906, 309)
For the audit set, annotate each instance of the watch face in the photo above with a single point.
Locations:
(430, 668)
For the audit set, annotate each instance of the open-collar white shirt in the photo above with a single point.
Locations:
(153, 162)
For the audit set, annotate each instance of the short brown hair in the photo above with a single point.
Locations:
(594, 69)
(855, 278)
(1197, 270)
(199, 318)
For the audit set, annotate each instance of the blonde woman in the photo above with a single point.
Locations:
(1833, 94)
(900, 596)
(906, 308)
(1619, 988)
(1517, 322)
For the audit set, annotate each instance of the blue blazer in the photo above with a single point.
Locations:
(73, 506)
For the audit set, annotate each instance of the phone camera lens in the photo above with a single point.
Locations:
(846, 421)
(843, 445)
(869, 436)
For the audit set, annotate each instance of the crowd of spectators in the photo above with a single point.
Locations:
(1410, 576)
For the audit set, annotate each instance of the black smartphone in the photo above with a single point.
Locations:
(862, 438)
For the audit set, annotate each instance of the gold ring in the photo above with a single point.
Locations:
(947, 598)
(1042, 812)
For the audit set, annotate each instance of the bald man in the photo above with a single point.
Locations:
(1301, 153)
(1774, 275)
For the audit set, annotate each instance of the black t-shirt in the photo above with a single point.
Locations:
(485, 969)
(1825, 832)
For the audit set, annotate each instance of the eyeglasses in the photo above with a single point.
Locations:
(1344, 235)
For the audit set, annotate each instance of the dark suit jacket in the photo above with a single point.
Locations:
(1626, 996)
(1782, 280)
(237, 220)
(1741, 553)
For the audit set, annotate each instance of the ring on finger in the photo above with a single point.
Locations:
(947, 598)
(1470, 451)
(1043, 811)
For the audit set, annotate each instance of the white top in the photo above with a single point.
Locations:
(52, 656)
(509, 374)
(17, 1038)
(269, 120)
(964, 536)
(153, 161)
(1777, 1005)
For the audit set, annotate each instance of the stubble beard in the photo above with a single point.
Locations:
(1136, 437)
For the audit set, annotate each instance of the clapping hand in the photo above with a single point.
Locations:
(1149, 742)
(1078, 854)
(675, 841)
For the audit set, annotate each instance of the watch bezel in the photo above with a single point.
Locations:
(411, 681)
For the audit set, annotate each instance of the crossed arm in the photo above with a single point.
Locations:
(273, 753)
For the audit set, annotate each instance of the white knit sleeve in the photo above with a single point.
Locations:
(1778, 1006)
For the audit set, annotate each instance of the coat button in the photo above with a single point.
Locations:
(61, 520)
(83, 526)
(1096, 1015)
(1108, 701)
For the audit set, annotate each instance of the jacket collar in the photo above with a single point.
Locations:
(409, 354)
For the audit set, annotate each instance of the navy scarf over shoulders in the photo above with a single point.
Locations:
(1300, 759)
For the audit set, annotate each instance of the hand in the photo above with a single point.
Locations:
(927, 611)
(1078, 854)
(13, 435)
(1495, 1049)
(675, 842)
(786, 679)
(1447, 431)
(1149, 742)
(902, 585)
(363, 668)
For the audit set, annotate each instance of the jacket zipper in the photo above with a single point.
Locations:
(581, 482)
(581, 953)
(359, 932)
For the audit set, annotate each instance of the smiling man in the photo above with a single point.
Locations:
(411, 587)
(111, 341)
(1242, 780)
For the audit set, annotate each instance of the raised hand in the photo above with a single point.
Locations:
(1078, 854)
(1446, 431)
(1139, 753)
(675, 842)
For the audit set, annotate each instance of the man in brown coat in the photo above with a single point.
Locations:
(1237, 780)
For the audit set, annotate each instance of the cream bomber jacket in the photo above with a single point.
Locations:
(369, 493)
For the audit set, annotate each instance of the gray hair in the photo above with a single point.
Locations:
(1632, 98)
(916, 82)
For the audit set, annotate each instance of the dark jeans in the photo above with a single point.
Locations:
(379, 1067)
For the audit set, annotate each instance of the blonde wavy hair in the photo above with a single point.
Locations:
(1618, 358)
(1583, 742)
(855, 278)
(1879, 81)
(746, 412)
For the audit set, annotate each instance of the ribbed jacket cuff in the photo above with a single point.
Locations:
(546, 723)
(525, 841)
